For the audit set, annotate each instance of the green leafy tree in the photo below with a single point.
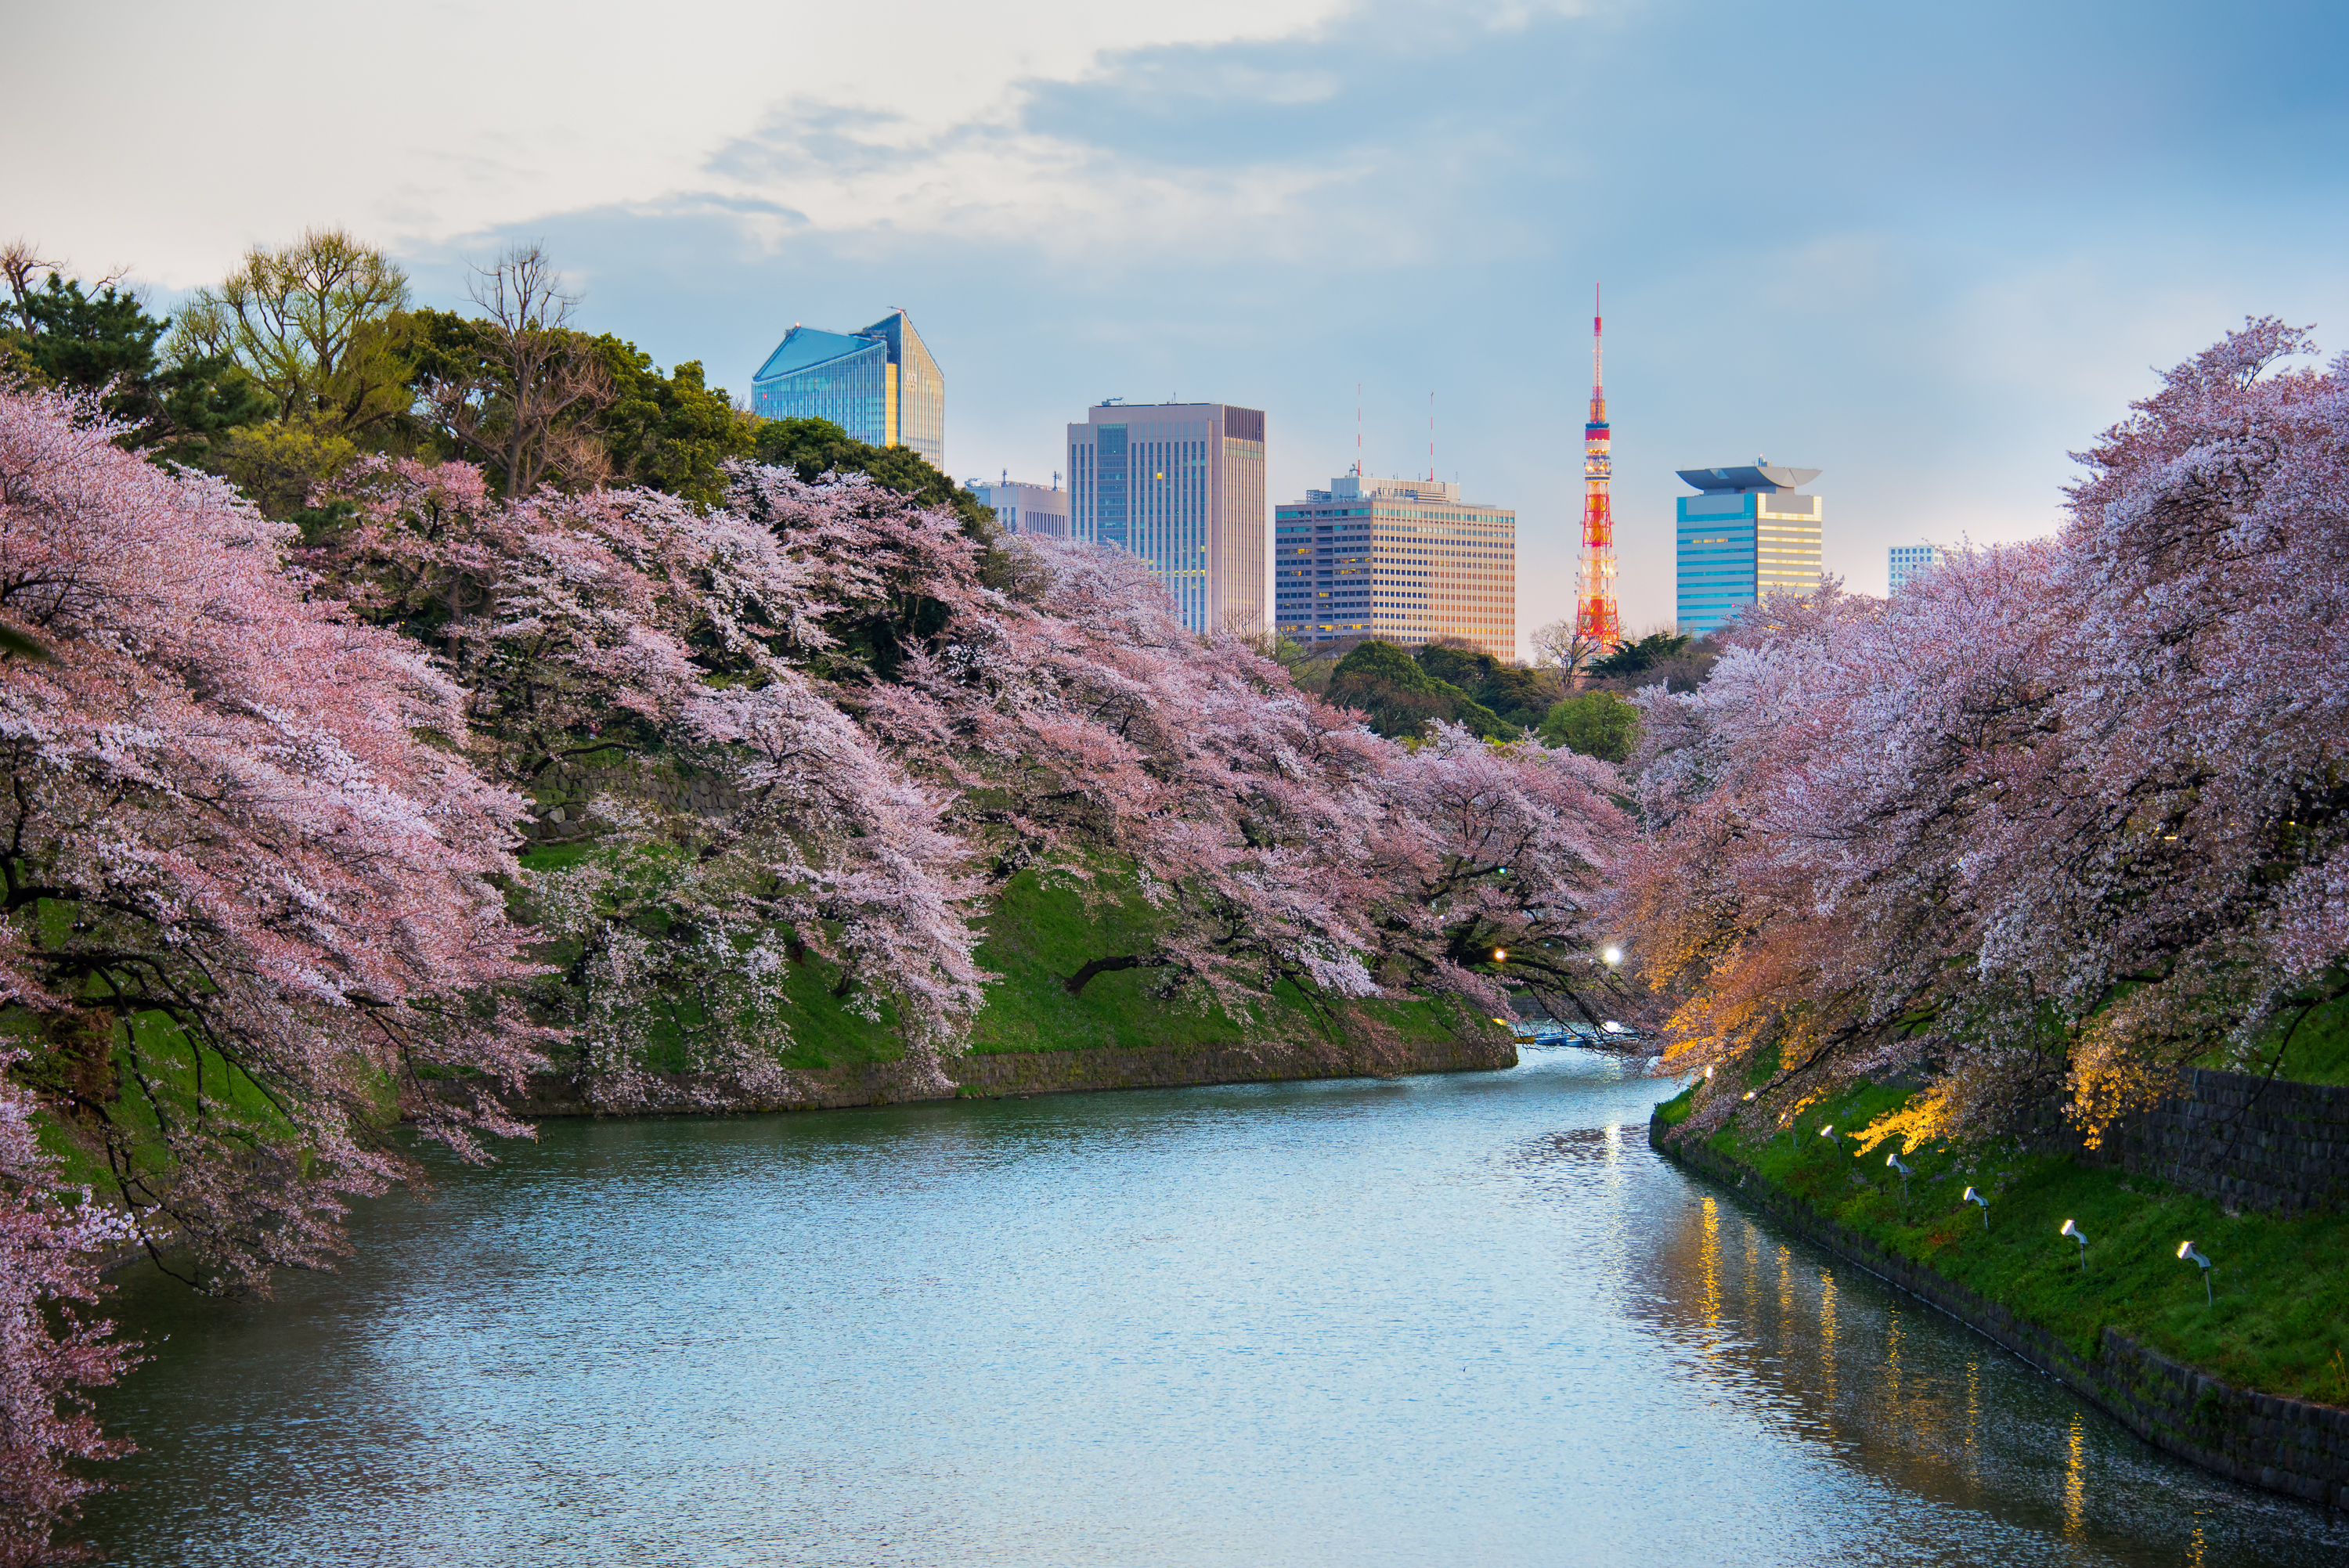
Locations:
(1595, 723)
(1400, 698)
(280, 465)
(1637, 657)
(813, 448)
(318, 324)
(1519, 695)
(673, 432)
(100, 338)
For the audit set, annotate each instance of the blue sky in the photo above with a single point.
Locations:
(1925, 249)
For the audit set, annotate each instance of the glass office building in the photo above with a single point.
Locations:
(1181, 486)
(1908, 560)
(880, 385)
(1745, 534)
(1405, 561)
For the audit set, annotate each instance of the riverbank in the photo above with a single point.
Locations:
(1000, 1074)
(2236, 1382)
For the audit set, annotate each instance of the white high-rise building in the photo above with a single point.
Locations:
(1026, 507)
(1181, 486)
(1405, 561)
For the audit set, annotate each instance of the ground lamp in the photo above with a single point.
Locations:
(2187, 1254)
(1974, 1197)
(1828, 1131)
(2078, 1235)
(1894, 1161)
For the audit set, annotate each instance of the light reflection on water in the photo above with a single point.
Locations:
(1465, 1320)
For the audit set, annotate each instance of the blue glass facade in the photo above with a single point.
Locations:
(1715, 560)
(880, 385)
(1905, 561)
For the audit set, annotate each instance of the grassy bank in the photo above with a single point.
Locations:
(2279, 1322)
(1034, 937)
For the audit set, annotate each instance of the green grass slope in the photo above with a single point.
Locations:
(1035, 936)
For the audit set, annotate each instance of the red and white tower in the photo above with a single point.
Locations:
(1597, 623)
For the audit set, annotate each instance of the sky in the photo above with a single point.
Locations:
(1927, 249)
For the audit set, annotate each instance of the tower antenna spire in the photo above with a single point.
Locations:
(1431, 438)
(1358, 429)
(1597, 624)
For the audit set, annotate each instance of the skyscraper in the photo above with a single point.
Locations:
(880, 385)
(1405, 561)
(1908, 560)
(1181, 486)
(1746, 534)
(1026, 507)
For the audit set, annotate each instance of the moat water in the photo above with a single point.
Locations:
(1452, 1320)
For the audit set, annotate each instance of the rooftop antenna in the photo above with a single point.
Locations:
(1431, 438)
(1358, 429)
(1597, 624)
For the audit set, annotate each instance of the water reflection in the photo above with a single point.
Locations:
(1467, 1320)
(1889, 1387)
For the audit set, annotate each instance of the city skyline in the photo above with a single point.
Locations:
(1253, 198)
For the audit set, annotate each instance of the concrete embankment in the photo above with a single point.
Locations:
(2289, 1446)
(1006, 1073)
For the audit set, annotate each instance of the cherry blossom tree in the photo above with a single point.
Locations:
(2051, 824)
(246, 901)
(611, 645)
(1084, 731)
(52, 1350)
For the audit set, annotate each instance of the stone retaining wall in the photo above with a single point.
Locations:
(2272, 1145)
(2289, 1446)
(1001, 1074)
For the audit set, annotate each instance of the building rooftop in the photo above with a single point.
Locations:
(805, 345)
(1759, 475)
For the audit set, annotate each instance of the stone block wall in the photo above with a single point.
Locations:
(2256, 1143)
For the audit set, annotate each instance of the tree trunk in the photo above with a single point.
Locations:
(1082, 977)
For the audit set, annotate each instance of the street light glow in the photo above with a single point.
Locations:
(1613, 955)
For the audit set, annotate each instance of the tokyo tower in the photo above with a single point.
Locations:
(1597, 624)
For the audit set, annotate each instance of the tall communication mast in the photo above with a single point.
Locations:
(1597, 621)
